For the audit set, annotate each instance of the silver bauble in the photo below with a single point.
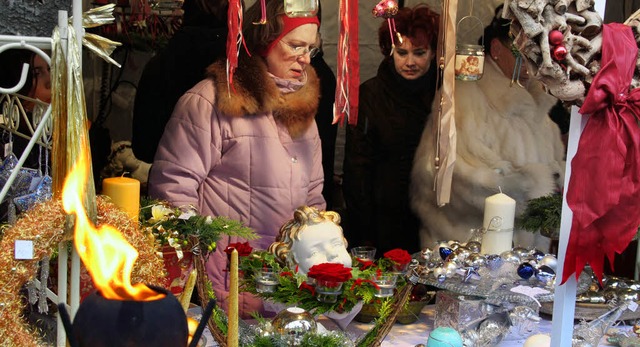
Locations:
(293, 323)
(536, 254)
(549, 260)
(453, 244)
(510, 257)
(628, 294)
(476, 260)
(440, 274)
(545, 274)
(474, 246)
(426, 254)
(451, 268)
(494, 261)
(521, 252)
(455, 259)
(462, 253)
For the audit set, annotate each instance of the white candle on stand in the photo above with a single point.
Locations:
(498, 235)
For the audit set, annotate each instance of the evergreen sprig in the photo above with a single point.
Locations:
(177, 226)
(542, 213)
(384, 310)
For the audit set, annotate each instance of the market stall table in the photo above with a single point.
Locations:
(412, 334)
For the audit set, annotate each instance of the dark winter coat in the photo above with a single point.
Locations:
(168, 75)
(378, 159)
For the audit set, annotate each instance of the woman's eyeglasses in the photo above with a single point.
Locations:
(300, 51)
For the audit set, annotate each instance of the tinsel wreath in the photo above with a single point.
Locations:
(44, 225)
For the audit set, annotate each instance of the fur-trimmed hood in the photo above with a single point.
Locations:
(254, 91)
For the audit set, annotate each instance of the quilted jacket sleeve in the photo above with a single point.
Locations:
(186, 152)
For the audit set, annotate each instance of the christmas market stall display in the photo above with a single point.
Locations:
(331, 288)
(594, 66)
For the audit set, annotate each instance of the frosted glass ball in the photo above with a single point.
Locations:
(538, 340)
(444, 337)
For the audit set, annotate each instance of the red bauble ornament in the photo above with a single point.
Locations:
(559, 52)
(556, 37)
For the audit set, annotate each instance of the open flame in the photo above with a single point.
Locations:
(108, 256)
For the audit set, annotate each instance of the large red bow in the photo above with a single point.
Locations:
(604, 190)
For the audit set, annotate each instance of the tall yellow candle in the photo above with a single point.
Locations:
(125, 193)
(232, 331)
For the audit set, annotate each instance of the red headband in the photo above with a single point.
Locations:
(290, 23)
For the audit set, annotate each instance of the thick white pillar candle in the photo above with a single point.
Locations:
(499, 234)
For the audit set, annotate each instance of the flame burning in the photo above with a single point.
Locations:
(108, 256)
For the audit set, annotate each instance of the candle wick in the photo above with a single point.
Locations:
(500, 189)
(125, 173)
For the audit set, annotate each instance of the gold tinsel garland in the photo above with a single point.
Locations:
(44, 225)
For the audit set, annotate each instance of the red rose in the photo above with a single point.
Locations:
(330, 272)
(243, 248)
(398, 256)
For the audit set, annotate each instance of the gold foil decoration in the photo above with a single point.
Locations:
(99, 45)
(70, 126)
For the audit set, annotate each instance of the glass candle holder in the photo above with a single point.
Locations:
(400, 269)
(364, 253)
(301, 8)
(386, 283)
(328, 291)
(266, 281)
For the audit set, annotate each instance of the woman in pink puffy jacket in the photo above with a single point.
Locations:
(250, 152)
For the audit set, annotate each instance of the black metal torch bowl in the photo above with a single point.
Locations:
(112, 323)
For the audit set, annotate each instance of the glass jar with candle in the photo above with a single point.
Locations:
(301, 8)
(469, 62)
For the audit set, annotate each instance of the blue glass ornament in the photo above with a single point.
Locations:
(444, 252)
(525, 270)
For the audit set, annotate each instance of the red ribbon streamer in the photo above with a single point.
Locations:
(234, 37)
(604, 190)
(348, 65)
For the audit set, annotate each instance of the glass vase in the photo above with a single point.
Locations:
(328, 291)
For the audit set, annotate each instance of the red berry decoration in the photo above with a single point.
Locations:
(555, 37)
(559, 52)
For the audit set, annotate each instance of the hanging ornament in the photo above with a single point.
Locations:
(300, 8)
(347, 70)
(385, 9)
(235, 38)
(263, 18)
(388, 9)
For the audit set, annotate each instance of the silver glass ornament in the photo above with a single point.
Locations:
(549, 260)
(473, 246)
(520, 252)
(510, 256)
(476, 260)
(493, 261)
(545, 274)
(293, 323)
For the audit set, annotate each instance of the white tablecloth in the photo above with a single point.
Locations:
(412, 334)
